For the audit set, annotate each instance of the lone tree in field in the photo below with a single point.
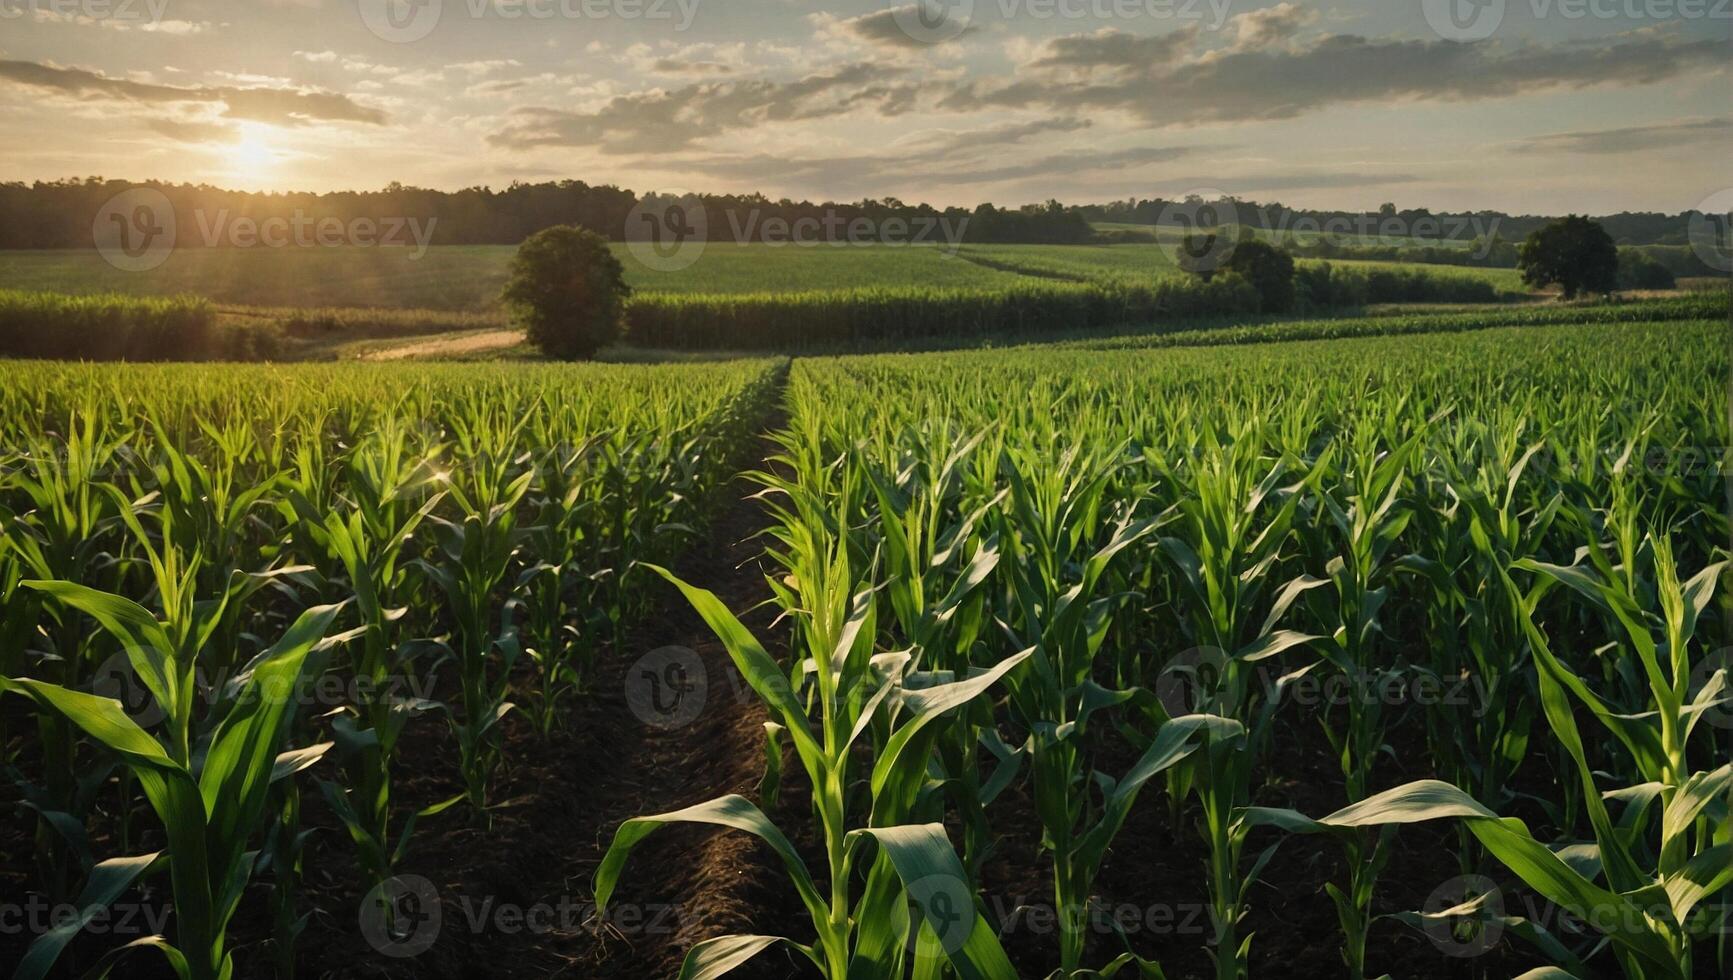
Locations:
(1269, 269)
(568, 291)
(1573, 252)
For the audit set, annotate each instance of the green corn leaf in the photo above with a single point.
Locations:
(107, 882)
(715, 957)
(734, 812)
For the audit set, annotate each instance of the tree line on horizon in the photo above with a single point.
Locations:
(59, 214)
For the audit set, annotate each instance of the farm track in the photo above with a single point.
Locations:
(473, 343)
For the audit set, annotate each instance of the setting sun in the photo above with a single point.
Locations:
(252, 151)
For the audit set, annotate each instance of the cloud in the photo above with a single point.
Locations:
(674, 66)
(662, 121)
(133, 19)
(1632, 139)
(1161, 81)
(1271, 26)
(977, 157)
(191, 131)
(884, 28)
(943, 143)
(282, 106)
(1113, 51)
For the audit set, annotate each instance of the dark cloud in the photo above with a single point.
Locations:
(282, 106)
(1156, 81)
(951, 142)
(1064, 164)
(882, 28)
(674, 66)
(1633, 139)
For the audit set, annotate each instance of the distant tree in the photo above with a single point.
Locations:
(568, 291)
(1387, 210)
(1638, 270)
(1574, 252)
(1269, 269)
(1198, 256)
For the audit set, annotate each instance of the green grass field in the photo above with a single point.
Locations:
(468, 278)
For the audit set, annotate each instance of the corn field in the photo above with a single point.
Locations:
(1425, 632)
(219, 542)
(1041, 585)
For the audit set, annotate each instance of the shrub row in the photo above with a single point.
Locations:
(1322, 286)
(805, 320)
(126, 328)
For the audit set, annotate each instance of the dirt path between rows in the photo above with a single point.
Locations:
(666, 724)
(473, 343)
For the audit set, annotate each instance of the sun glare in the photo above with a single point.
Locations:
(252, 152)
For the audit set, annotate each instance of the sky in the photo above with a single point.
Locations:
(1525, 106)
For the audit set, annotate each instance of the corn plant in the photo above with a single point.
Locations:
(1059, 568)
(1363, 517)
(66, 530)
(477, 553)
(937, 566)
(1647, 875)
(1233, 520)
(367, 536)
(210, 806)
(852, 693)
(567, 547)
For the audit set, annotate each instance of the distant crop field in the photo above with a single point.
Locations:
(1105, 262)
(1174, 233)
(469, 278)
(463, 278)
